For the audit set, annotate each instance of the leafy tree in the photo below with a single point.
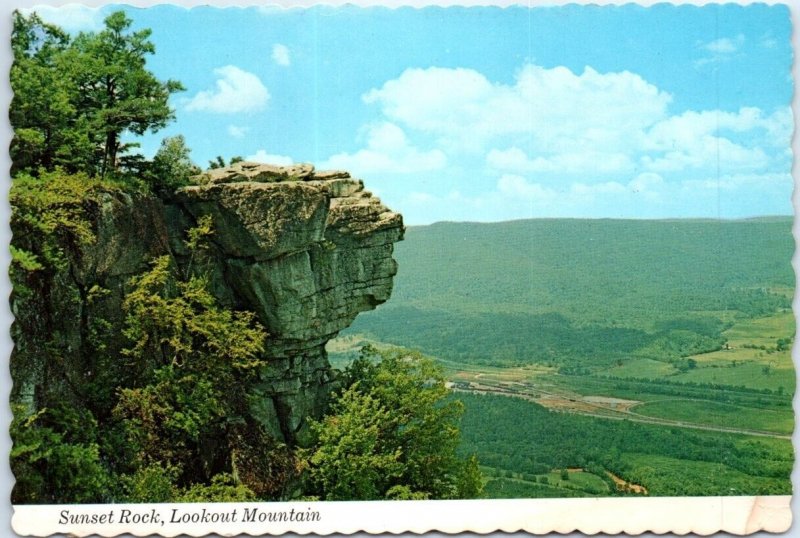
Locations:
(74, 98)
(172, 167)
(189, 357)
(391, 433)
(219, 162)
(156, 484)
(470, 480)
(354, 460)
(152, 483)
(223, 488)
(56, 457)
(116, 91)
(41, 110)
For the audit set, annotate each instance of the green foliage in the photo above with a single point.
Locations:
(391, 433)
(199, 235)
(470, 480)
(41, 109)
(223, 488)
(51, 221)
(25, 260)
(73, 97)
(219, 162)
(51, 216)
(268, 468)
(55, 457)
(165, 419)
(189, 356)
(172, 167)
(150, 484)
(175, 322)
(580, 293)
(352, 459)
(511, 433)
(156, 484)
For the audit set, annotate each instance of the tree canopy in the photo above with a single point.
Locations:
(74, 98)
(392, 434)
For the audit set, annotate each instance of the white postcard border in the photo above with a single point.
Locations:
(681, 515)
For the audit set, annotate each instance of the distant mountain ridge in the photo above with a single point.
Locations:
(507, 289)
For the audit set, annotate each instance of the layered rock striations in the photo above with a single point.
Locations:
(305, 250)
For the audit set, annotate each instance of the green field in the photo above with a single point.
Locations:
(642, 369)
(578, 484)
(672, 476)
(685, 322)
(752, 375)
(720, 414)
(523, 438)
(507, 488)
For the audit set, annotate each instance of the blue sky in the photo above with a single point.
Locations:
(487, 114)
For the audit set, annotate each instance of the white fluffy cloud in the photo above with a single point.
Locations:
(706, 140)
(71, 17)
(723, 142)
(236, 91)
(719, 50)
(724, 45)
(553, 142)
(647, 195)
(554, 121)
(388, 151)
(514, 159)
(558, 110)
(261, 156)
(280, 55)
(237, 132)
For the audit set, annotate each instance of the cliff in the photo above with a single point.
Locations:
(305, 251)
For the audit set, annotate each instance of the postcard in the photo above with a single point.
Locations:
(393, 269)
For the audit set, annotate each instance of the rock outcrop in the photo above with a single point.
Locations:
(305, 250)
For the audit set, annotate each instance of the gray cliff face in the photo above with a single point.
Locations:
(306, 255)
(306, 251)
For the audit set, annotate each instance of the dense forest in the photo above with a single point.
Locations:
(152, 404)
(592, 291)
(654, 351)
(522, 439)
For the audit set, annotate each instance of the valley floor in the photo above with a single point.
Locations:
(640, 427)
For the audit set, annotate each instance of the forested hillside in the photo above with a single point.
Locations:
(582, 292)
(597, 357)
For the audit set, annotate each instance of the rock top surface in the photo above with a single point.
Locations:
(266, 173)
